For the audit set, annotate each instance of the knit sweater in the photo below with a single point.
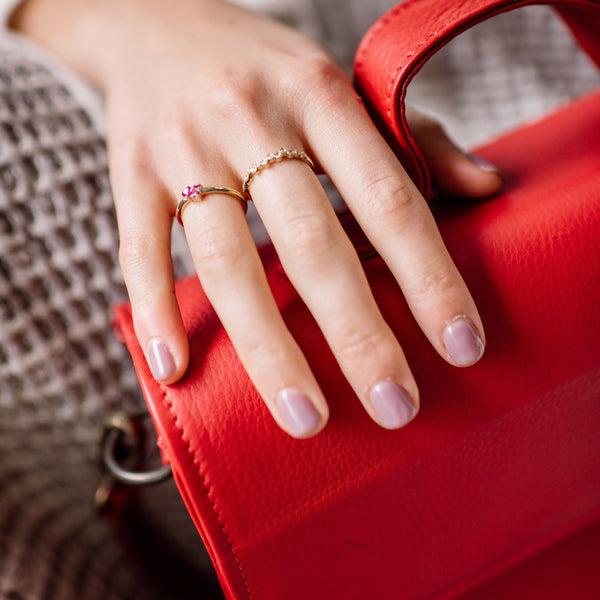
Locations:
(61, 368)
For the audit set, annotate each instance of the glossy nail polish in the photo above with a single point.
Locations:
(393, 405)
(298, 412)
(463, 342)
(160, 359)
(482, 163)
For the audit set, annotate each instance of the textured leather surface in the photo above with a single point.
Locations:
(565, 570)
(400, 42)
(504, 457)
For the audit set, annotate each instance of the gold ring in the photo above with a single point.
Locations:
(282, 154)
(196, 193)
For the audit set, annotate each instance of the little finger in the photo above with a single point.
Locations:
(145, 255)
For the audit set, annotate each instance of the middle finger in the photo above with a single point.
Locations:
(322, 264)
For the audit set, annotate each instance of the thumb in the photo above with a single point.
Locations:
(453, 172)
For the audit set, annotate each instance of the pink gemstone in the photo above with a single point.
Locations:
(191, 191)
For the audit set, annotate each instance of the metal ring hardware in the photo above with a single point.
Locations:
(121, 428)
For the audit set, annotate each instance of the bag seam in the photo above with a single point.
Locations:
(209, 495)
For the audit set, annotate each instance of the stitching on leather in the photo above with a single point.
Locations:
(394, 76)
(208, 490)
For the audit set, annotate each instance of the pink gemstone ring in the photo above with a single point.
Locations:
(196, 193)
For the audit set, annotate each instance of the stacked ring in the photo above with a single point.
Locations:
(282, 154)
(196, 193)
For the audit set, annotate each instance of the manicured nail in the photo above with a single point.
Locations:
(392, 404)
(482, 163)
(298, 412)
(463, 342)
(160, 359)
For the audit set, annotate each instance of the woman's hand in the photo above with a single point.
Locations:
(200, 90)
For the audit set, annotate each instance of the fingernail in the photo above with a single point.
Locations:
(463, 342)
(482, 163)
(160, 359)
(392, 404)
(298, 412)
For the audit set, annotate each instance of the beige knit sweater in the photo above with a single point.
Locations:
(62, 371)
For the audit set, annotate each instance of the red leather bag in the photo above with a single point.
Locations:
(504, 457)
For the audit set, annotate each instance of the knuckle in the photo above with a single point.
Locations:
(138, 160)
(147, 286)
(323, 77)
(258, 354)
(134, 249)
(131, 161)
(174, 119)
(219, 250)
(315, 68)
(390, 195)
(177, 130)
(309, 238)
(323, 71)
(437, 284)
(357, 343)
(334, 96)
(234, 95)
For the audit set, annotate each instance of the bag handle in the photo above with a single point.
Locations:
(402, 40)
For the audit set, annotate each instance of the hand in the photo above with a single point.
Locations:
(199, 92)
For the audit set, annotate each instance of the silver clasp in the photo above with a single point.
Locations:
(121, 453)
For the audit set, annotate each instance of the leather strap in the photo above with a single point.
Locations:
(398, 45)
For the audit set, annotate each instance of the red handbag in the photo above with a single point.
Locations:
(504, 457)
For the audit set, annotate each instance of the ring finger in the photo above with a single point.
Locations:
(233, 279)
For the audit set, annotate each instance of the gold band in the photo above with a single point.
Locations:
(196, 193)
(268, 161)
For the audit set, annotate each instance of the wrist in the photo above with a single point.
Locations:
(70, 29)
(98, 38)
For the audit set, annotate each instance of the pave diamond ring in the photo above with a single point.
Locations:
(269, 160)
